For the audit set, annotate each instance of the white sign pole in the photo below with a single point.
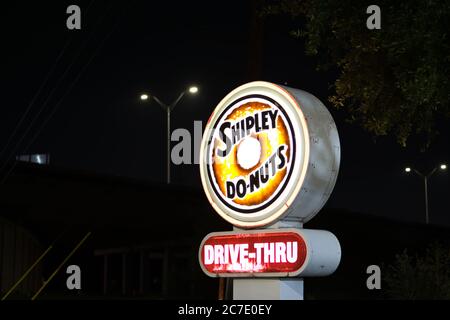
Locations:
(268, 289)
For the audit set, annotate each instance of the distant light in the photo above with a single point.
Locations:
(193, 90)
(144, 97)
(443, 166)
(38, 158)
(408, 169)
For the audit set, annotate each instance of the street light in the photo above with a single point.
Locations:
(168, 108)
(425, 179)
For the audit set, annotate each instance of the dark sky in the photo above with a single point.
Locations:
(128, 47)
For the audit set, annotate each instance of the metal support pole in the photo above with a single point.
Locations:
(124, 273)
(268, 289)
(141, 272)
(169, 109)
(426, 200)
(168, 145)
(105, 274)
(166, 271)
(221, 288)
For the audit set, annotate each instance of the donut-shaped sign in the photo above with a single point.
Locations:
(269, 152)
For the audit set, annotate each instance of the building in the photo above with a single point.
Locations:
(145, 238)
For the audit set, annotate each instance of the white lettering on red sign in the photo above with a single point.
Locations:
(253, 253)
(264, 253)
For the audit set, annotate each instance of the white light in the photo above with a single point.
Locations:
(408, 169)
(144, 97)
(249, 153)
(193, 90)
(443, 166)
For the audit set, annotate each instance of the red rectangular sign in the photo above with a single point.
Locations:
(253, 253)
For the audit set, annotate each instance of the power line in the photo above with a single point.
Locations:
(61, 78)
(60, 101)
(46, 282)
(33, 100)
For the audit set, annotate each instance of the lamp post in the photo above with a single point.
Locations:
(425, 178)
(169, 108)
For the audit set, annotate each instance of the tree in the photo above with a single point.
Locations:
(391, 81)
(426, 277)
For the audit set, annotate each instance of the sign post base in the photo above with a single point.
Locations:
(268, 289)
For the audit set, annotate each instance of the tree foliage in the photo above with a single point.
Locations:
(391, 81)
(426, 277)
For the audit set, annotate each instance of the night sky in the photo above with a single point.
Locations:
(126, 48)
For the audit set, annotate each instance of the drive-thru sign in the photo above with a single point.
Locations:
(269, 153)
(283, 252)
(275, 253)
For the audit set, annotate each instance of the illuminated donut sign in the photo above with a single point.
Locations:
(270, 253)
(269, 152)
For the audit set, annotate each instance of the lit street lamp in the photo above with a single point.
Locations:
(168, 108)
(425, 179)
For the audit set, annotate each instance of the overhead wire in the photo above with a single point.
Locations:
(37, 94)
(49, 117)
(51, 94)
(33, 100)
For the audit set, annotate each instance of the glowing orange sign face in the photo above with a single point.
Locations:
(254, 155)
(251, 153)
(262, 253)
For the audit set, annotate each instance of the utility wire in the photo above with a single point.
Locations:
(59, 102)
(33, 100)
(61, 78)
(43, 84)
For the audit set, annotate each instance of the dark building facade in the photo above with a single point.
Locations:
(18, 251)
(145, 237)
